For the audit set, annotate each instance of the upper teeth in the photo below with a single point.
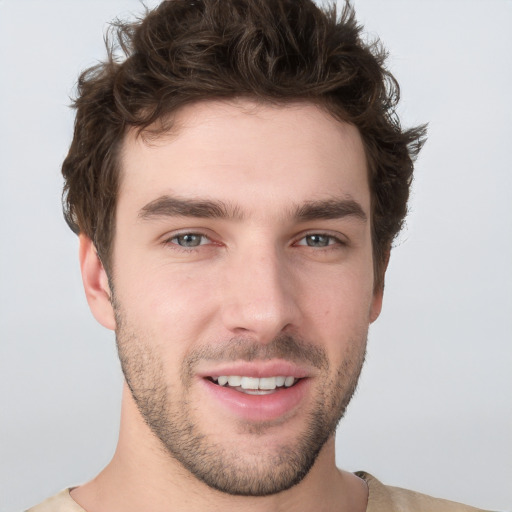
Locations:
(267, 383)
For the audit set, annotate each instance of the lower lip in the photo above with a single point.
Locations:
(258, 408)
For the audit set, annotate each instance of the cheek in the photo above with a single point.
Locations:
(170, 303)
(337, 314)
(342, 298)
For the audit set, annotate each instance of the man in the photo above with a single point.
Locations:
(236, 183)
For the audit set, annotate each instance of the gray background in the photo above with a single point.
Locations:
(433, 411)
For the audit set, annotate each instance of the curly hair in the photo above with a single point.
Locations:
(277, 51)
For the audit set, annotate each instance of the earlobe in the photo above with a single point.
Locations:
(376, 306)
(95, 280)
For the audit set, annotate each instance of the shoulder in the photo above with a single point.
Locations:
(383, 498)
(61, 502)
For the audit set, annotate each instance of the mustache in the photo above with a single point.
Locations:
(284, 346)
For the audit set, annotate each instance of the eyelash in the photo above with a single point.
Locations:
(184, 248)
(333, 242)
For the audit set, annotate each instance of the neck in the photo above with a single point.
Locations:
(142, 476)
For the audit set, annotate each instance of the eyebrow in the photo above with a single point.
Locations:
(169, 206)
(330, 209)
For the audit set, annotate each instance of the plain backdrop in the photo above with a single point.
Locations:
(434, 407)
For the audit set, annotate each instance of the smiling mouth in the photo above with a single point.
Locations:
(255, 385)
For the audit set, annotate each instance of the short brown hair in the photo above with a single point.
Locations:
(269, 50)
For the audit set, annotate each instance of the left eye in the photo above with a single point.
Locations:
(316, 240)
(189, 240)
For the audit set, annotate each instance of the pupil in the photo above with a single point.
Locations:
(189, 240)
(318, 240)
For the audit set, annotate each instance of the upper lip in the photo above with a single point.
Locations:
(272, 368)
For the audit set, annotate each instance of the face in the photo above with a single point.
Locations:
(243, 287)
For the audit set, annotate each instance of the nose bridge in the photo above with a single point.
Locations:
(259, 298)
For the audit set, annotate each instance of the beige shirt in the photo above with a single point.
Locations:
(381, 498)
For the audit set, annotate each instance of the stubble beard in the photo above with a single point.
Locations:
(169, 414)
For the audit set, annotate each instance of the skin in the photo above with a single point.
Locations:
(260, 272)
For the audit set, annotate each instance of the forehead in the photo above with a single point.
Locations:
(246, 152)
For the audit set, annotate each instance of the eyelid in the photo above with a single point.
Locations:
(338, 238)
(169, 237)
(201, 237)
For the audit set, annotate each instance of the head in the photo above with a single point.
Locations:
(241, 175)
(275, 52)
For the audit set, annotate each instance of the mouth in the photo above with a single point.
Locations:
(256, 391)
(267, 398)
(255, 385)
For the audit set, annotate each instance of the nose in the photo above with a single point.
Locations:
(259, 295)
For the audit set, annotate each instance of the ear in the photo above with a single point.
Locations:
(376, 306)
(378, 292)
(97, 289)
